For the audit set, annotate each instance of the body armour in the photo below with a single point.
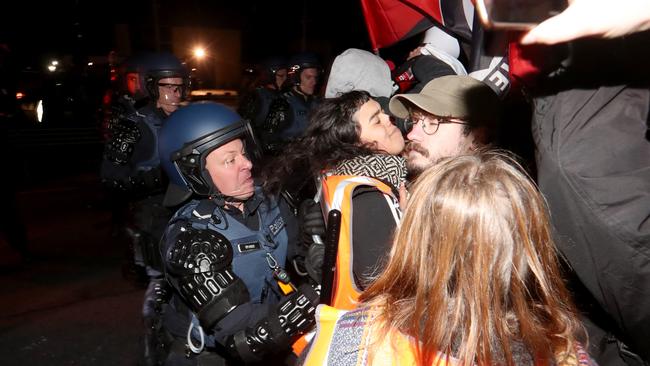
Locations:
(299, 107)
(250, 261)
(263, 99)
(250, 247)
(131, 163)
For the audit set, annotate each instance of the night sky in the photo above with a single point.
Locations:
(36, 30)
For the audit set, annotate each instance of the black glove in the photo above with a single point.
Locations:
(314, 262)
(292, 317)
(312, 220)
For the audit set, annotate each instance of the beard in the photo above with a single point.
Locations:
(415, 168)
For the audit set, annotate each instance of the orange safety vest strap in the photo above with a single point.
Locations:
(337, 191)
(343, 338)
(326, 318)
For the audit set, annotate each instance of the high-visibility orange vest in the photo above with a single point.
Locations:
(337, 191)
(343, 339)
(346, 338)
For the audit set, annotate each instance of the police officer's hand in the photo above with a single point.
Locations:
(312, 220)
(314, 262)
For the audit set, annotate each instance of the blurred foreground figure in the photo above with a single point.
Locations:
(473, 278)
(591, 131)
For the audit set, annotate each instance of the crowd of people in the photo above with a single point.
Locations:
(380, 224)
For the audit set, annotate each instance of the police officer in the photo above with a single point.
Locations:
(132, 166)
(288, 116)
(224, 252)
(127, 92)
(126, 95)
(255, 106)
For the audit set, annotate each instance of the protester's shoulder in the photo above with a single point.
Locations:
(426, 68)
(435, 64)
(370, 200)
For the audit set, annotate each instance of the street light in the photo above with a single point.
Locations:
(199, 52)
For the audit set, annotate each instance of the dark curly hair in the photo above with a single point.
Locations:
(333, 135)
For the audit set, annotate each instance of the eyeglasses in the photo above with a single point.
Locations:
(172, 88)
(430, 125)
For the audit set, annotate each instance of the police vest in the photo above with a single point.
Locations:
(350, 331)
(265, 97)
(299, 110)
(150, 124)
(337, 192)
(250, 247)
(131, 162)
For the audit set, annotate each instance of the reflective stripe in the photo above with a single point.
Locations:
(326, 322)
(337, 194)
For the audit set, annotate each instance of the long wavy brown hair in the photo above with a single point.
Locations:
(474, 270)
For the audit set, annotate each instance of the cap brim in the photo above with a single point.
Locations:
(399, 108)
(444, 105)
(176, 195)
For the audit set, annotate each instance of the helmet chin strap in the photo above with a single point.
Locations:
(221, 199)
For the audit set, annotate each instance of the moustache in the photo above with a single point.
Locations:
(414, 146)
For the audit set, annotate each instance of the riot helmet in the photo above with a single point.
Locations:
(269, 72)
(297, 66)
(186, 139)
(132, 74)
(161, 67)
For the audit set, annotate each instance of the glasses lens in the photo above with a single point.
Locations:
(430, 127)
(171, 87)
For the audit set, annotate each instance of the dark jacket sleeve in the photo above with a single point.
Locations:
(426, 68)
(593, 160)
(372, 232)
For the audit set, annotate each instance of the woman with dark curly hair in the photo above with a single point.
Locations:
(350, 146)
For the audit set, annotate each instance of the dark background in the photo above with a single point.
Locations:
(72, 302)
(35, 30)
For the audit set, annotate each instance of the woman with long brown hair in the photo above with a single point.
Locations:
(473, 278)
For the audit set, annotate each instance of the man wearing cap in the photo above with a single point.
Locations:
(452, 115)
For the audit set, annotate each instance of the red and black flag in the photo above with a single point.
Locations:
(390, 21)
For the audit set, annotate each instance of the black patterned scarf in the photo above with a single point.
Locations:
(390, 169)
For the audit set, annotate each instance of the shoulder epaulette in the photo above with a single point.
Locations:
(205, 210)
